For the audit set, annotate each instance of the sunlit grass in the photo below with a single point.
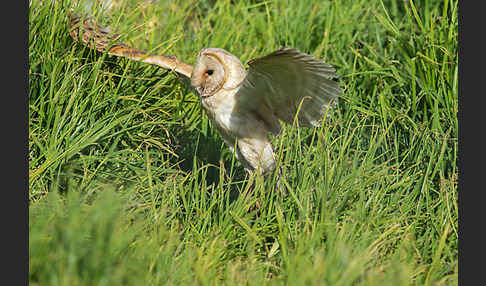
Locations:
(130, 185)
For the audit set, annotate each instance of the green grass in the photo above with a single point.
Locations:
(130, 185)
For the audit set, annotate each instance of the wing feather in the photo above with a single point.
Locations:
(277, 84)
(102, 39)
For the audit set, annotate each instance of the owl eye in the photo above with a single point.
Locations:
(209, 72)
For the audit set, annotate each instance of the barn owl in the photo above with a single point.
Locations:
(244, 105)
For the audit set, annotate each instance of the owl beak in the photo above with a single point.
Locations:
(200, 90)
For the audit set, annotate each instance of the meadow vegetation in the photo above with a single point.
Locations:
(130, 185)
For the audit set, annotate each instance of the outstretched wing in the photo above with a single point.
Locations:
(101, 39)
(277, 84)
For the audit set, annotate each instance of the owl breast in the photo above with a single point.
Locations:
(244, 128)
(220, 109)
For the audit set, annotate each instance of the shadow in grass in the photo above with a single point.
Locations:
(196, 151)
(119, 158)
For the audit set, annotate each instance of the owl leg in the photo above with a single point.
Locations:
(280, 186)
(258, 156)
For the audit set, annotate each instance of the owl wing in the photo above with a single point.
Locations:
(287, 83)
(101, 39)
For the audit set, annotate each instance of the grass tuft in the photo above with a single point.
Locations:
(130, 184)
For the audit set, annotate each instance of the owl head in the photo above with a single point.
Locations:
(216, 69)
